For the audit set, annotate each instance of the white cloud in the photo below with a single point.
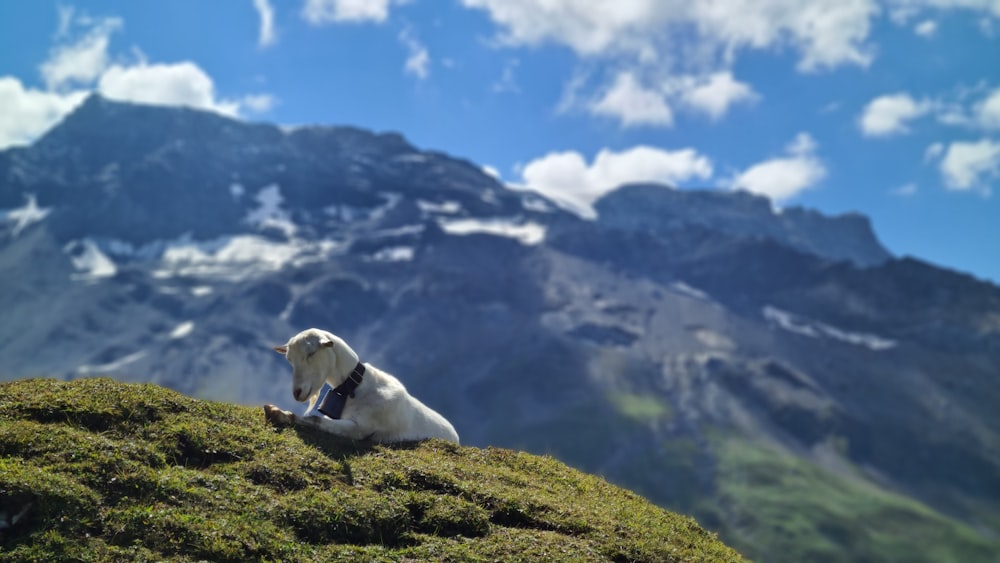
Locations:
(975, 107)
(82, 61)
(418, 59)
(258, 103)
(888, 115)
(66, 16)
(588, 28)
(183, 84)
(906, 190)
(969, 107)
(986, 27)
(826, 33)
(954, 114)
(630, 102)
(987, 112)
(566, 177)
(904, 9)
(784, 177)
(507, 81)
(926, 28)
(318, 12)
(645, 48)
(933, 152)
(656, 58)
(633, 103)
(802, 145)
(27, 113)
(571, 95)
(492, 172)
(84, 64)
(960, 109)
(971, 165)
(266, 36)
(714, 93)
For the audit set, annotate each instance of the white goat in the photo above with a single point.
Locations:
(378, 408)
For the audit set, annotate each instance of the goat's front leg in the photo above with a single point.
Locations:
(278, 417)
(339, 427)
(346, 428)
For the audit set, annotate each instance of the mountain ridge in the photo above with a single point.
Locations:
(677, 358)
(651, 207)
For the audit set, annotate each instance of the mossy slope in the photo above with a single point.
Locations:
(115, 471)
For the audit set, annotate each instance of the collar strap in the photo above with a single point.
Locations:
(354, 379)
(336, 399)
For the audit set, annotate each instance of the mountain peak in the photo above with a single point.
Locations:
(655, 207)
(100, 126)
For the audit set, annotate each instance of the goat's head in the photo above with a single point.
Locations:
(315, 355)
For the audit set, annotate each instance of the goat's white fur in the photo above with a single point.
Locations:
(381, 409)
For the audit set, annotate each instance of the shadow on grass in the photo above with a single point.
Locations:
(339, 448)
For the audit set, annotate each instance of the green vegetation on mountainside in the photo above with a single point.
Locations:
(779, 507)
(112, 471)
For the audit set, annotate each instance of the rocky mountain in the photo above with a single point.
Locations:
(742, 214)
(777, 374)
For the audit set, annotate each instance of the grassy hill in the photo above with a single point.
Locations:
(100, 470)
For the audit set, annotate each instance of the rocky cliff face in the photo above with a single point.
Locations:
(652, 208)
(696, 346)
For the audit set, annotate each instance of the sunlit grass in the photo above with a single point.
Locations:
(135, 472)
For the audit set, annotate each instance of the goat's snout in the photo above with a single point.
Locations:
(297, 392)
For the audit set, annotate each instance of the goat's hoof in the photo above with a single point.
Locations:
(278, 417)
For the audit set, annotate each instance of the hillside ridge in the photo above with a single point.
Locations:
(98, 469)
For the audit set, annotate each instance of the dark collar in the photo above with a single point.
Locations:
(336, 399)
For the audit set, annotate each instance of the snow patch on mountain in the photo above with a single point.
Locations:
(225, 258)
(22, 217)
(490, 197)
(352, 213)
(528, 233)
(401, 231)
(347, 213)
(813, 329)
(685, 289)
(114, 366)
(445, 207)
(90, 262)
(182, 330)
(394, 254)
(536, 204)
(269, 214)
(391, 201)
(413, 158)
(238, 257)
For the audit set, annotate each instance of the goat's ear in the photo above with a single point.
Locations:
(326, 343)
(281, 349)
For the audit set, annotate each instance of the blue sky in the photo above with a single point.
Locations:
(887, 107)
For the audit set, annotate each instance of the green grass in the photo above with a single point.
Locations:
(779, 507)
(119, 472)
(641, 408)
